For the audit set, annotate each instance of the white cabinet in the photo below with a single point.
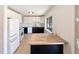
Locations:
(42, 19)
(33, 19)
(14, 15)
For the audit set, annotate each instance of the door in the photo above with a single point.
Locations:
(13, 34)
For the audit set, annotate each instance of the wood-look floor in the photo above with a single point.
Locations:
(24, 47)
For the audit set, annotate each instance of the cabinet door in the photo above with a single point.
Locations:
(47, 49)
(25, 30)
(33, 30)
(38, 30)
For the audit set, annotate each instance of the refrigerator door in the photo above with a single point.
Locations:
(13, 35)
(13, 26)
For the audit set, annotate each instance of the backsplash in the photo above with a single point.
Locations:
(35, 24)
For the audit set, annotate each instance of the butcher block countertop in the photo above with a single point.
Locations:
(40, 39)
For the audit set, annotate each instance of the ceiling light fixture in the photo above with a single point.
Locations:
(30, 12)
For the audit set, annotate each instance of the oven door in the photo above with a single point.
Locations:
(21, 33)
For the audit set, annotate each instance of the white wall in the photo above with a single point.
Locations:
(77, 30)
(64, 25)
(1, 28)
(3, 17)
(77, 23)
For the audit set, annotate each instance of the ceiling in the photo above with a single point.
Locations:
(28, 10)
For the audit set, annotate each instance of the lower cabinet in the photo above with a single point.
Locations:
(37, 29)
(47, 49)
(33, 30)
(25, 30)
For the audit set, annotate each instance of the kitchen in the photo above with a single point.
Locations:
(43, 25)
(32, 23)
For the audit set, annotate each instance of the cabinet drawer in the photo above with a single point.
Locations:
(47, 49)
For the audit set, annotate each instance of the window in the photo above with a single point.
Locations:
(49, 23)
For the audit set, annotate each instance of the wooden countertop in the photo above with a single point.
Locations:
(39, 39)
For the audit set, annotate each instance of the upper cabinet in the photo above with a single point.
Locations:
(33, 20)
(14, 15)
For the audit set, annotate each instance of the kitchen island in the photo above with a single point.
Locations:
(46, 44)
